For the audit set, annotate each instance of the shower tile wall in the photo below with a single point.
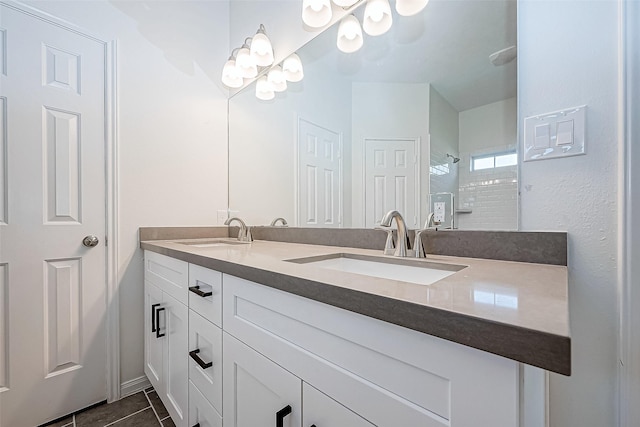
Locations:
(491, 195)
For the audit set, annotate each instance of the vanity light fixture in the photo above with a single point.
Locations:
(316, 13)
(349, 34)
(261, 48)
(292, 68)
(264, 89)
(410, 7)
(277, 79)
(377, 17)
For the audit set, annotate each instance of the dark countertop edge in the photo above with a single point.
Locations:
(541, 349)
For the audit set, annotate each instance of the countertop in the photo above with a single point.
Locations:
(513, 309)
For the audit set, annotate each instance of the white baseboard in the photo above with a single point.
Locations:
(133, 386)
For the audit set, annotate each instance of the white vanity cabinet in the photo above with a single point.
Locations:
(253, 355)
(388, 375)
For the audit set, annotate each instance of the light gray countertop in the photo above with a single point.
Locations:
(512, 309)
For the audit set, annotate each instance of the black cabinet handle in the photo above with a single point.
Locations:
(281, 414)
(158, 333)
(197, 425)
(194, 355)
(153, 317)
(196, 290)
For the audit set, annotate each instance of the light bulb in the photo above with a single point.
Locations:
(277, 79)
(264, 89)
(230, 76)
(410, 7)
(377, 17)
(316, 13)
(292, 68)
(261, 48)
(246, 64)
(349, 35)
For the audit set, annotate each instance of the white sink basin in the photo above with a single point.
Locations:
(402, 269)
(212, 243)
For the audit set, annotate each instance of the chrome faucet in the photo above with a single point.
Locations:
(401, 246)
(244, 235)
(280, 219)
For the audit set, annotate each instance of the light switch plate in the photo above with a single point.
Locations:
(565, 130)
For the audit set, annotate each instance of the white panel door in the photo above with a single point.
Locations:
(256, 390)
(391, 180)
(52, 193)
(319, 176)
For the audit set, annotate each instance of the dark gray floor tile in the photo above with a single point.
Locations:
(61, 423)
(145, 418)
(108, 413)
(157, 405)
(168, 423)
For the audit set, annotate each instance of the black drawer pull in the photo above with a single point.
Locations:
(197, 425)
(158, 333)
(281, 414)
(153, 317)
(196, 290)
(194, 355)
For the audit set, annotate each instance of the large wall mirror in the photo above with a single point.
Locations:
(424, 109)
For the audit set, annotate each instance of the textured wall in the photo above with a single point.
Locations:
(568, 56)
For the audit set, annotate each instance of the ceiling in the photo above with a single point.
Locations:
(448, 45)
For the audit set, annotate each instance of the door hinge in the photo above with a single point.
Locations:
(106, 241)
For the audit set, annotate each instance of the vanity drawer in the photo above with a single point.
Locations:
(205, 347)
(200, 410)
(205, 293)
(169, 274)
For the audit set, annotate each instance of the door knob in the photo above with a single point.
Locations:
(90, 241)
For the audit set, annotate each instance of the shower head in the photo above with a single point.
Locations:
(455, 159)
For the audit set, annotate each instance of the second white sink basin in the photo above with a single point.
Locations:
(402, 269)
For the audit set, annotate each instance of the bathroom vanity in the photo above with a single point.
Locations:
(270, 333)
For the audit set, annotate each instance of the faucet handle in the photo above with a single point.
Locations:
(248, 237)
(418, 248)
(389, 247)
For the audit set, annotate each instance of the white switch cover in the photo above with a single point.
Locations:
(438, 212)
(564, 129)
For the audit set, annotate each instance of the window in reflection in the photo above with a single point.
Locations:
(495, 298)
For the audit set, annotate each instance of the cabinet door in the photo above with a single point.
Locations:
(205, 347)
(200, 410)
(153, 353)
(322, 411)
(176, 359)
(256, 389)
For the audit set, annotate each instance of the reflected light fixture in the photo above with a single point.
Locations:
(349, 34)
(292, 68)
(410, 7)
(264, 89)
(230, 76)
(261, 48)
(316, 13)
(277, 79)
(246, 63)
(377, 17)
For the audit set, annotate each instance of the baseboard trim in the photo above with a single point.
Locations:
(135, 385)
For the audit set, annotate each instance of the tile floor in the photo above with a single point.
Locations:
(143, 409)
